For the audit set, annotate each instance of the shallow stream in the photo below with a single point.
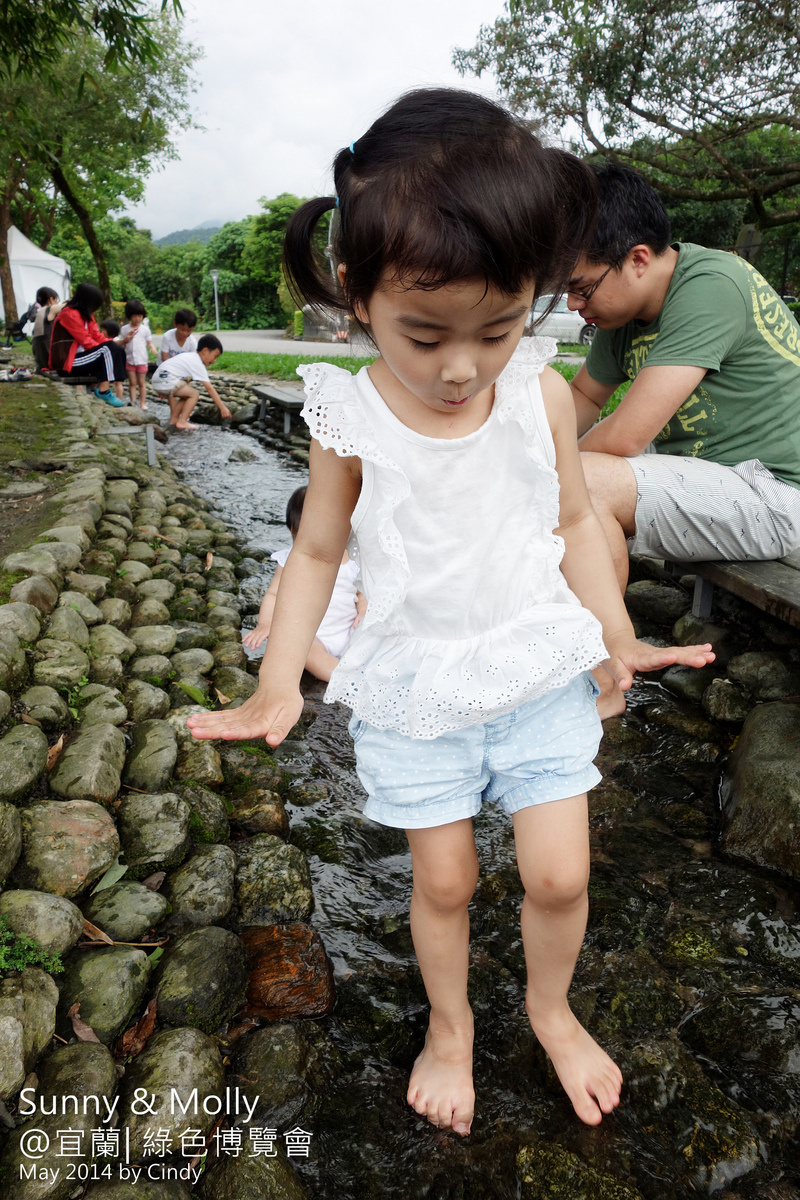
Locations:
(690, 973)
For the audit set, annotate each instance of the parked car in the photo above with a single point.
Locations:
(561, 324)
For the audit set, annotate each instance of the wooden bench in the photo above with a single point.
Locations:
(290, 402)
(771, 586)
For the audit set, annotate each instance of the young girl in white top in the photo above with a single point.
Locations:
(136, 358)
(490, 587)
(342, 617)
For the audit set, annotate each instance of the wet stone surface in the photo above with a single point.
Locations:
(691, 966)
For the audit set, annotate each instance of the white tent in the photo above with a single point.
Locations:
(32, 268)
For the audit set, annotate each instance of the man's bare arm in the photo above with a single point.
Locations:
(589, 397)
(652, 400)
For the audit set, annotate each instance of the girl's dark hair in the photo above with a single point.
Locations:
(45, 294)
(629, 213)
(135, 308)
(445, 186)
(294, 510)
(86, 299)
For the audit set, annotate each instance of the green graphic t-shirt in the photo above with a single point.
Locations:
(719, 313)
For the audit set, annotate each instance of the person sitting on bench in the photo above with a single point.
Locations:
(78, 347)
(714, 355)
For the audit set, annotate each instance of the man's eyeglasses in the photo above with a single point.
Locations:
(587, 292)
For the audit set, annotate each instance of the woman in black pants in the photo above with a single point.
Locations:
(79, 347)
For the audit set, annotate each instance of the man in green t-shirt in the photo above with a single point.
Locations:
(714, 356)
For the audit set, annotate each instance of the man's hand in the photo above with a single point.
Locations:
(268, 714)
(626, 655)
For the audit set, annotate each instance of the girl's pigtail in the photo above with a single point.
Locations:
(308, 275)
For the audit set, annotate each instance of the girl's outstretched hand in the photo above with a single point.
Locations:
(265, 715)
(628, 655)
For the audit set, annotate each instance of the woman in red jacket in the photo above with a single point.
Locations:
(78, 347)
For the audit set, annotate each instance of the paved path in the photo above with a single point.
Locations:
(272, 341)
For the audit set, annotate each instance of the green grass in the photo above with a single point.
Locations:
(18, 951)
(281, 366)
(570, 370)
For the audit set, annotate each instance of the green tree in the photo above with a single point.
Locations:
(247, 290)
(675, 88)
(263, 249)
(174, 274)
(35, 33)
(95, 146)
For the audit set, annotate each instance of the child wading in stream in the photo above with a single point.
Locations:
(490, 587)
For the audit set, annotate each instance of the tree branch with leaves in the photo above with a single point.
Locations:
(693, 87)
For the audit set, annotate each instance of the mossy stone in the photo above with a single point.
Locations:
(201, 891)
(23, 755)
(54, 922)
(126, 911)
(110, 984)
(154, 831)
(202, 979)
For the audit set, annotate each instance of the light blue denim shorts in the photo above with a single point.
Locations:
(536, 753)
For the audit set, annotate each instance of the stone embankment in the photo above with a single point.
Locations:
(753, 689)
(152, 911)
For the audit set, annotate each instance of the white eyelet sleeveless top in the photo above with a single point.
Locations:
(468, 614)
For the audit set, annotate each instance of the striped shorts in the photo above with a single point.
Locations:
(692, 508)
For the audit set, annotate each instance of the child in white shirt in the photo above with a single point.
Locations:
(136, 350)
(172, 380)
(180, 339)
(347, 605)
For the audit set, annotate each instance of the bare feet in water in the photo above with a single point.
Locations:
(441, 1087)
(590, 1078)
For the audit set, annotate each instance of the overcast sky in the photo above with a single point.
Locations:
(284, 85)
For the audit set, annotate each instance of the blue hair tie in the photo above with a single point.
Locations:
(336, 200)
(352, 147)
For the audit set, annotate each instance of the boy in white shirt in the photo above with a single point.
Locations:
(179, 340)
(173, 377)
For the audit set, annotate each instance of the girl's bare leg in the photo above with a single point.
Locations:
(142, 391)
(553, 859)
(133, 386)
(445, 874)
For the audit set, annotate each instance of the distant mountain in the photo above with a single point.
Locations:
(201, 233)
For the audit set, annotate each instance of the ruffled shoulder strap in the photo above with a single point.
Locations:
(331, 408)
(335, 414)
(530, 358)
(518, 397)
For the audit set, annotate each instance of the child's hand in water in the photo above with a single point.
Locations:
(255, 637)
(627, 655)
(267, 714)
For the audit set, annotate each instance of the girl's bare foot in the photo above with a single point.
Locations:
(185, 426)
(590, 1078)
(441, 1086)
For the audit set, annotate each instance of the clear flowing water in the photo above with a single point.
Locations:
(689, 976)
